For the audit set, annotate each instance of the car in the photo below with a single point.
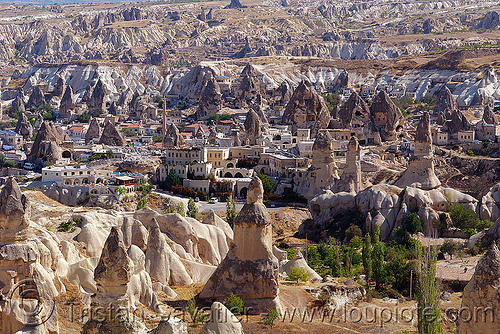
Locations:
(29, 166)
(213, 200)
(196, 199)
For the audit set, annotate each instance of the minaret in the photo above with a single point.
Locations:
(164, 117)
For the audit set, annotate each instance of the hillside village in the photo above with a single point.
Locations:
(228, 168)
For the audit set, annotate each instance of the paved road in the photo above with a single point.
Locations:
(221, 207)
(218, 207)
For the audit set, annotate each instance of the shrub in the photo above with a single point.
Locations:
(356, 242)
(266, 183)
(298, 274)
(270, 316)
(234, 304)
(192, 209)
(142, 203)
(66, 226)
(450, 247)
(290, 253)
(230, 212)
(413, 224)
(194, 312)
(180, 209)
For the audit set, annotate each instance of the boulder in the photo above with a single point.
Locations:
(222, 321)
(170, 325)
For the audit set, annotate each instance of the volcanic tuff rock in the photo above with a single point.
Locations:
(489, 116)
(210, 101)
(323, 174)
(212, 219)
(298, 261)
(161, 263)
(97, 100)
(18, 105)
(458, 122)
(420, 171)
(351, 179)
(48, 143)
(306, 109)
(222, 321)
(249, 84)
(355, 110)
(249, 269)
(388, 118)
(15, 211)
(37, 98)
(445, 105)
(172, 137)
(59, 88)
(253, 127)
(235, 4)
(93, 132)
(481, 296)
(111, 136)
(24, 127)
(67, 102)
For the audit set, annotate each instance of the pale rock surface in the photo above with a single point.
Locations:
(250, 270)
(170, 325)
(481, 296)
(298, 261)
(161, 263)
(420, 171)
(222, 321)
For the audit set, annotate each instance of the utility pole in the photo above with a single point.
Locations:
(411, 283)
(306, 248)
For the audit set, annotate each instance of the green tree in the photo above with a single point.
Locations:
(192, 209)
(427, 296)
(266, 183)
(230, 212)
(171, 180)
(120, 190)
(270, 316)
(337, 266)
(413, 224)
(378, 258)
(367, 257)
(6, 163)
(450, 247)
(461, 216)
(234, 304)
(180, 209)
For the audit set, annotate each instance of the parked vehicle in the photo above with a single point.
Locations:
(213, 200)
(29, 166)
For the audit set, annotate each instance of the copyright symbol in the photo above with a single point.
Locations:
(25, 302)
